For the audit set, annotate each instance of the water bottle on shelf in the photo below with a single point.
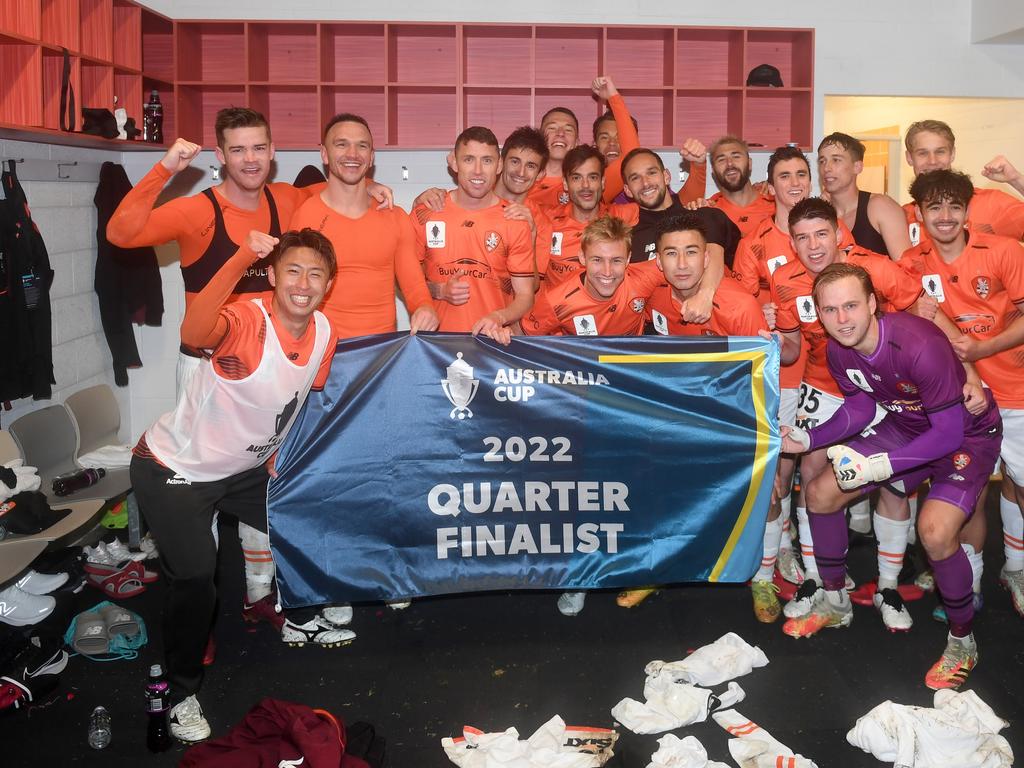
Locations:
(158, 737)
(65, 485)
(99, 728)
(153, 119)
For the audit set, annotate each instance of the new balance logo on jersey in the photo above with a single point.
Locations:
(178, 480)
(435, 234)
(585, 325)
(932, 285)
(805, 309)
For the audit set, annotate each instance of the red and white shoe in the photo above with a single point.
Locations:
(822, 615)
(956, 662)
(264, 609)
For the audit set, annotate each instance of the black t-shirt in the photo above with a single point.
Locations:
(720, 229)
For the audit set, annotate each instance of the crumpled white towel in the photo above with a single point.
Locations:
(674, 752)
(544, 749)
(754, 747)
(961, 730)
(107, 457)
(671, 704)
(729, 657)
(25, 479)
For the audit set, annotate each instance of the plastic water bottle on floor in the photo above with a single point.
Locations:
(99, 728)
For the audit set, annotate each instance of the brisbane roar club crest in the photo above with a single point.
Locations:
(638, 304)
(982, 286)
(492, 241)
(961, 460)
(460, 387)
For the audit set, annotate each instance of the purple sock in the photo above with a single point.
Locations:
(830, 543)
(955, 580)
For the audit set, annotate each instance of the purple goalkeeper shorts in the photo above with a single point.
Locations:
(958, 478)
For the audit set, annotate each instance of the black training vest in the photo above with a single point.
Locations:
(863, 233)
(221, 248)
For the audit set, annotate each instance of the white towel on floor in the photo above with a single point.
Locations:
(674, 752)
(961, 730)
(107, 457)
(671, 704)
(544, 749)
(729, 657)
(754, 747)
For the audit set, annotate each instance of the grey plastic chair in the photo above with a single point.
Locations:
(48, 441)
(96, 416)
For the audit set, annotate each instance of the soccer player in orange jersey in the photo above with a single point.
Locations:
(736, 196)
(978, 280)
(931, 146)
(604, 298)
(876, 221)
(373, 247)
(813, 227)
(583, 181)
(471, 243)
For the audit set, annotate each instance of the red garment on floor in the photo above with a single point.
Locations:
(273, 732)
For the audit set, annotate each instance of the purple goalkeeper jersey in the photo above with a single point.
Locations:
(912, 373)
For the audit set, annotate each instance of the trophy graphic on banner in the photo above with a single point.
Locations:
(460, 387)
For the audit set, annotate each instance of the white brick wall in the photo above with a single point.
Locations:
(66, 217)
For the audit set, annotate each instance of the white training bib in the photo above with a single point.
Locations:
(222, 427)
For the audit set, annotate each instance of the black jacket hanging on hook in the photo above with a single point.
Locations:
(26, 355)
(127, 279)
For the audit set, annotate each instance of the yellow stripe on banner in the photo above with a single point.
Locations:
(757, 384)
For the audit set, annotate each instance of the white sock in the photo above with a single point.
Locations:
(967, 641)
(1013, 534)
(977, 565)
(892, 545)
(860, 515)
(259, 562)
(786, 542)
(770, 552)
(807, 544)
(837, 598)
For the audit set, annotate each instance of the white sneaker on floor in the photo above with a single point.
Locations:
(571, 603)
(19, 608)
(100, 554)
(36, 583)
(187, 722)
(895, 615)
(317, 631)
(338, 615)
(119, 549)
(398, 605)
(1013, 582)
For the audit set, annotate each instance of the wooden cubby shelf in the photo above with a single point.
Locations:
(417, 83)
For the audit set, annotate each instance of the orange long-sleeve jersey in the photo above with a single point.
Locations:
(190, 220)
(372, 251)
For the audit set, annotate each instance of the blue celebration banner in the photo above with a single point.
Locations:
(444, 463)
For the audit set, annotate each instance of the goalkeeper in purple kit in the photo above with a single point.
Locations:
(907, 366)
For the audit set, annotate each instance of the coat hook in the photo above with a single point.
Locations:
(216, 172)
(60, 173)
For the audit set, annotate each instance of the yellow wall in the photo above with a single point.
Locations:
(984, 128)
